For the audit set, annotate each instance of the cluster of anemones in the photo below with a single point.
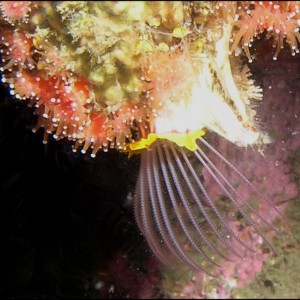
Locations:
(64, 102)
(279, 20)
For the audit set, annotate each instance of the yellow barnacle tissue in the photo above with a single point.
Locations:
(143, 143)
(163, 47)
(186, 139)
(180, 32)
(144, 47)
(154, 22)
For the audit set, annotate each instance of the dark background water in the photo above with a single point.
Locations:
(67, 223)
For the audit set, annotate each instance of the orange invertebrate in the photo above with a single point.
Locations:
(16, 51)
(15, 11)
(279, 20)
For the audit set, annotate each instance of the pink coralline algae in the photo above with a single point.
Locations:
(128, 281)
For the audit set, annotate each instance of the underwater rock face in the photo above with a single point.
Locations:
(156, 79)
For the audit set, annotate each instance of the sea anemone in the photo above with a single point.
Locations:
(16, 50)
(279, 20)
(15, 11)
